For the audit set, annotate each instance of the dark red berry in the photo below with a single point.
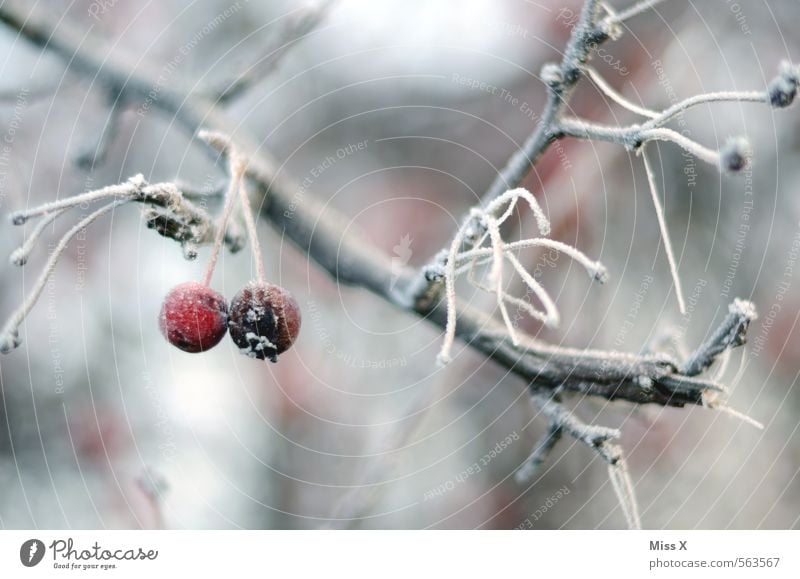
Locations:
(194, 317)
(264, 320)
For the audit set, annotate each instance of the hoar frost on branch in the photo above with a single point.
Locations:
(551, 372)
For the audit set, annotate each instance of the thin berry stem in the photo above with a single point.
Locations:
(252, 233)
(237, 171)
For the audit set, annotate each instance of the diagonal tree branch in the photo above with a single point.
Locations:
(320, 231)
(561, 79)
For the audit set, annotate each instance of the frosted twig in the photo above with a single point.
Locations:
(511, 197)
(168, 213)
(615, 18)
(663, 134)
(595, 437)
(496, 276)
(9, 337)
(450, 294)
(780, 93)
(635, 136)
(740, 415)
(712, 401)
(609, 91)
(561, 80)
(662, 225)
(731, 333)
(713, 97)
(128, 189)
(20, 255)
(623, 487)
(734, 156)
(595, 269)
(552, 317)
(484, 225)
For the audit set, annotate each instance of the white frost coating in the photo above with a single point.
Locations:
(260, 342)
(483, 226)
(252, 316)
(744, 307)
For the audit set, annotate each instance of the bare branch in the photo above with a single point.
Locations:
(321, 233)
(595, 437)
(298, 25)
(489, 220)
(550, 371)
(731, 333)
(9, 336)
(168, 213)
(561, 80)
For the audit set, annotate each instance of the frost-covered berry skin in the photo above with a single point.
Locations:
(194, 317)
(264, 320)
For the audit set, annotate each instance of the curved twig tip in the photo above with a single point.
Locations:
(9, 340)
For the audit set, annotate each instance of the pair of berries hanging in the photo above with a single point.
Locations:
(263, 318)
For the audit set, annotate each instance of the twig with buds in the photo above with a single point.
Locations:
(734, 156)
(166, 211)
(497, 253)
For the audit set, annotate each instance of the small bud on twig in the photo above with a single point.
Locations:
(735, 155)
(783, 89)
(552, 76)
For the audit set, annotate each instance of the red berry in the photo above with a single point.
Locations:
(264, 320)
(194, 317)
